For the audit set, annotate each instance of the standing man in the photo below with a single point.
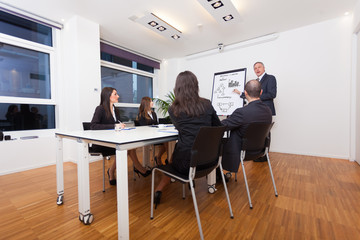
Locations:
(268, 86)
(237, 122)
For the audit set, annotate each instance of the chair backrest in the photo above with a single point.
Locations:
(256, 139)
(206, 150)
(86, 125)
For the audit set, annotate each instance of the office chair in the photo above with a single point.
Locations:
(86, 126)
(205, 157)
(255, 144)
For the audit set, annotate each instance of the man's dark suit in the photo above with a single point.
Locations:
(268, 85)
(255, 111)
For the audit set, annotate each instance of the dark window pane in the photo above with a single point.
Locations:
(130, 87)
(15, 117)
(128, 113)
(24, 72)
(145, 68)
(22, 28)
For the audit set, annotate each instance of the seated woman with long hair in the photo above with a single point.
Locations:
(106, 115)
(188, 113)
(147, 117)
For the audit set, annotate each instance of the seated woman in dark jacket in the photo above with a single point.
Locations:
(105, 117)
(148, 117)
(188, 113)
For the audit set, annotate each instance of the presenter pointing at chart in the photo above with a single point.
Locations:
(268, 86)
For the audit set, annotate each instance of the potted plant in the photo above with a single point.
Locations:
(163, 106)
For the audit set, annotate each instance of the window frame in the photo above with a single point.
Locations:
(53, 65)
(119, 67)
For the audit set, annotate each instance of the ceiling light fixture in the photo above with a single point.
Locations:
(153, 22)
(222, 10)
(217, 4)
(161, 28)
(228, 18)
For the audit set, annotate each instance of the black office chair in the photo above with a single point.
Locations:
(205, 157)
(255, 144)
(86, 126)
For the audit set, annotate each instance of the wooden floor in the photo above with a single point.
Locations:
(319, 198)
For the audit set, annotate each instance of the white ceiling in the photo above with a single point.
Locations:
(200, 30)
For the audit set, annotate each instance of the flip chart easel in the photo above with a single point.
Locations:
(224, 100)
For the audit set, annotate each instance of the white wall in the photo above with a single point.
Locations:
(312, 67)
(356, 85)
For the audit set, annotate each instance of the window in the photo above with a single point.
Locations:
(24, 72)
(26, 116)
(131, 87)
(26, 75)
(131, 75)
(18, 27)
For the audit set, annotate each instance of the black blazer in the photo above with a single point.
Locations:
(188, 128)
(268, 85)
(255, 111)
(100, 121)
(142, 121)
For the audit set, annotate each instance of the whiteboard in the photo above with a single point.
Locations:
(223, 99)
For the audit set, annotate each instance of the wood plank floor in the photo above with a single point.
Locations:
(319, 198)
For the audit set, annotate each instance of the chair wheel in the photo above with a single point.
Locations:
(60, 200)
(88, 219)
(211, 189)
(172, 180)
(228, 174)
(81, 217)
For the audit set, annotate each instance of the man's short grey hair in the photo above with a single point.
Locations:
(260, 63)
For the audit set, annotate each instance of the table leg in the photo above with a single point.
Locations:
(83, 184)
(122, 193)
(146, 156)
(59, 171)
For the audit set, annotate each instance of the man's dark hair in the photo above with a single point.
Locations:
(253, 88)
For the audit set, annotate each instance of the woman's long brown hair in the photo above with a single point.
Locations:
(187, 98)
(144, 108)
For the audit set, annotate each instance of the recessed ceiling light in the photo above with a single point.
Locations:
(217, 4)
(156, 24)
(228, 18)
(161, 28)
(153, 23)
(222, 10)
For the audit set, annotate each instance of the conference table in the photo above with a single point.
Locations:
(128, 138)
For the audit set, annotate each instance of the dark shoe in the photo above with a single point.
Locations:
(157, 197)
(158, 162)
(113, 181)
(147, 173)
(261, 159)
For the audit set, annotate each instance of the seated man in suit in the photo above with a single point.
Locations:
(255, 111)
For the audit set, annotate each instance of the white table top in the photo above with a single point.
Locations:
(125, 136)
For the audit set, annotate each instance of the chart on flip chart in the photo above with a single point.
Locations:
(224, 100)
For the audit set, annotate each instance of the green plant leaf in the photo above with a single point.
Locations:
(163, 105)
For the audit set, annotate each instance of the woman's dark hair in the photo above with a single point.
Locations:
(105, 99)
(144, 108)
(187, 98)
